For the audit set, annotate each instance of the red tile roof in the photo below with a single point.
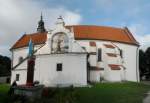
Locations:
(92, 43)
(87, 32)
(112, 54)
(37, 38)
(83, 32)
(109, 46)
(114, 67)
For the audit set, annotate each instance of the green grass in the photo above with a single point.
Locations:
(3, 92)
(127, 92)
(113, 93)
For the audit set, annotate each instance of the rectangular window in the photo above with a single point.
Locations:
(121, 53)
(17, 77)
(99, 55)
(59, 67)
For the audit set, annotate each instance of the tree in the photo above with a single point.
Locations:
(142, 63)
(147, 61)
(5, 65)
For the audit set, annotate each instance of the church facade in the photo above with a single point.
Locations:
(76, 55)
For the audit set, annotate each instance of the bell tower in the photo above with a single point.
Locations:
(41, 27)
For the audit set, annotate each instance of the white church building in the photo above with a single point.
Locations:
(77, 54)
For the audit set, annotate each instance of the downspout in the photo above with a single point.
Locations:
(12, 59)
(88, 65)
(137, 64)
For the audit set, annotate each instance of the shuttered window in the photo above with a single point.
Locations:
(99, 55)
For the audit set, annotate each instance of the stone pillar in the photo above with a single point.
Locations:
(30, 71)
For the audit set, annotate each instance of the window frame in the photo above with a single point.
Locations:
(99, 55)
(121, 53)
(59, 67)
(17, 77)
(20, 59)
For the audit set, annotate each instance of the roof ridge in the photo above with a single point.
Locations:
(131, 37)
(37, 33)
(95, 26)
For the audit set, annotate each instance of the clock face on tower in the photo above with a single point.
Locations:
(60, 43)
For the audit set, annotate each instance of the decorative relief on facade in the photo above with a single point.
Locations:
(60, 43)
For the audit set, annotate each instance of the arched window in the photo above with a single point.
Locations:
(20, 59)
(60, 43)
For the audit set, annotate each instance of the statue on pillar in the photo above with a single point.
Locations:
(30, 65)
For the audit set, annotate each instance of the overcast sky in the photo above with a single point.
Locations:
(20, 16)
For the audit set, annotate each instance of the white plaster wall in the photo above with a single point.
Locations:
(74, 69)
(114, 76)
(122, 73)
(130, 62)
(100, 64)
(22, 77)
(93, 60)
(18, 53)
(21, 68)
(44, 49)
(95, 75)
(93, 49)
(129, 58)
(113, 60)
(111, 50)
(24, 52)
(77, 47)
(102, 74)
(84, 43)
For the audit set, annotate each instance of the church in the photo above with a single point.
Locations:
(77, 55)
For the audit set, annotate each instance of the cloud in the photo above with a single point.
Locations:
(138, 31)
(20, 16)
(138, 28)
(144, 41)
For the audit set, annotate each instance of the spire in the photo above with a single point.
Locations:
(41, 27)
(41, 16)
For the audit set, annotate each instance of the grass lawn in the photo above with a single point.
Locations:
(3, 93)
(128, 92)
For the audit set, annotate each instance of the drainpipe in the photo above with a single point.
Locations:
(88, 67)
(137, 64)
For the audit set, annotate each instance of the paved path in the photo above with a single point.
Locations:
(146, 82)
(147, 98)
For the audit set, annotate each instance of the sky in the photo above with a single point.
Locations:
(18, 17)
